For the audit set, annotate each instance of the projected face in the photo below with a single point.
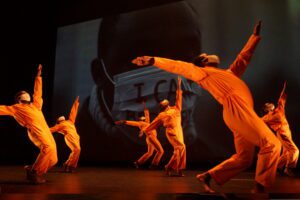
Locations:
(170, 31)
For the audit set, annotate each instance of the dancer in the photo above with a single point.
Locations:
(238, 113)
(29, 114)
(151, 140)
(170, 117)
(72, 139)
(276, 120)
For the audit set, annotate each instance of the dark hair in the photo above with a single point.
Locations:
(163, 107)
(199, 61)
(17, 96)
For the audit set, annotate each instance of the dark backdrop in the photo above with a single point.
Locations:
(28, 37)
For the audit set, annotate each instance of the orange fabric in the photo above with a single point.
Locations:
(171, 120)
(153, 143)
(248, 129)
(277, 121)
(72, 139)
(31, 117)
(290, 153)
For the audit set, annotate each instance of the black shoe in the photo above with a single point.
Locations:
(68, 169)
(168, 171)
(280, 171)
(289, 172)
(136, 164)
(259, 189)
(180, 173)
(28, 170)
(153, 167)
(34, 178)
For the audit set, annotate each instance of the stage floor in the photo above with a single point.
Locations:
(132, 184)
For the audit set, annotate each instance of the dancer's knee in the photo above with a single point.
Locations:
(245, 160)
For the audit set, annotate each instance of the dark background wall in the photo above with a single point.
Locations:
(28, 37)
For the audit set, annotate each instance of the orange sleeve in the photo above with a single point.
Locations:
(154, 124)
(265, 118)
(178, 103)
(6, 110)
(132, 123)
(37, 93)
(74, 110)
(188, 70)
(147, 115)
(281, 101)
(240, 64)
(56, 128)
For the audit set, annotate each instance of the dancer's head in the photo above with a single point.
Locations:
(164, 104)
(142, 118)
(268, 107)
(22, 97)
(60, 119)
(206, 60)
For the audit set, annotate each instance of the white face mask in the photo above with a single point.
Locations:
(154, 85)
(150, 83)
(60, 119)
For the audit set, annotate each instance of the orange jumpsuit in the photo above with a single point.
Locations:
(72, 139)
(171, 120)
(248, 128)
(277, 121)
(31, 117)
(151, 140)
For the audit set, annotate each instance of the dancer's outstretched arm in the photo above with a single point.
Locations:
(188, 70)
(178, 103)
(282, 98)
(154, 124)
(127, 122)
(57, 128)
(131, 123)
(146, 113)
(241, 62)
(74, 110)
(38, 89)
(6, 110)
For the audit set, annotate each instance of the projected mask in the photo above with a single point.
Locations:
(121, 87)
(152, 85)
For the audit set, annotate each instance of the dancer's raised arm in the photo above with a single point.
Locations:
(241, 62)
(74, 110)
(38, 89)
(178, 103)
(188, 70)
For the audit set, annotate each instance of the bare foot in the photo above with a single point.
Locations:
(205, 180)
(289, 172)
